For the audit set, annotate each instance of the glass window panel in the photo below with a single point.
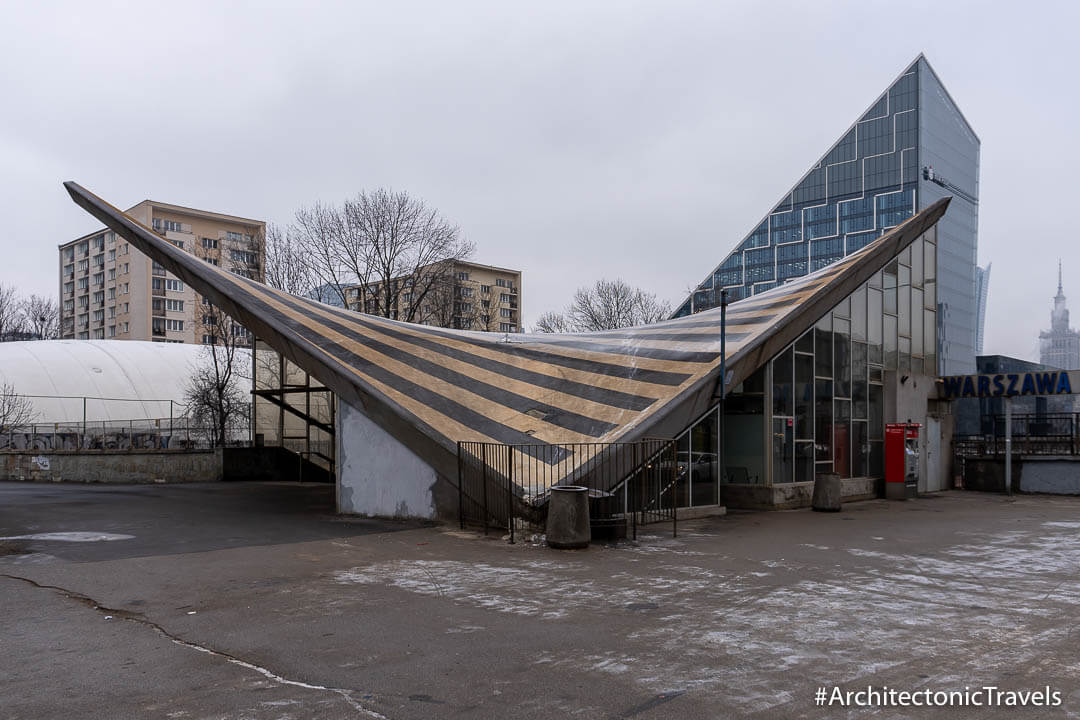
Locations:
(783, 451)
(783, 402)
(904, 353)
(805, 343)
(873, 325)
(843, 309)
(905, 256)
(842, 365)
(904, 309)
(858, 314)
(875, 280)
(929, 261)
(823, 411)
(877, 412)
(755, 384)
(804, 397)
(877, 459)
(889, 281)
(930, 295)
(842, 438)
(744, 434)
(703, 453)
(858, 380)
(916, 322)
(823, 355)
(917, 263)
(860, 449)
(916, 365)
(804, 461)
(903, 275)
(890, 342)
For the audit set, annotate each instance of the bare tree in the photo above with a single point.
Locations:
(607, 305)
(11, 316)
(395, 253)
(15, 410)
(552, 322)
(333, 254)
(213, 397)
(412, 249)
(41, 317)
(287, 266)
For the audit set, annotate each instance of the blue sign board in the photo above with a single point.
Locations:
(1059, 382)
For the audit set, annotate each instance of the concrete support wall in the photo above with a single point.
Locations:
(380, 477)
(112, 467)
(1054, 475)
(788, 496)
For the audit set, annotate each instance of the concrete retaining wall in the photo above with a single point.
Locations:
(788, 496)
(1051, 474)
(112, 467)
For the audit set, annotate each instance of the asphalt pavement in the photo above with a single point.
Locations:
(255, 601)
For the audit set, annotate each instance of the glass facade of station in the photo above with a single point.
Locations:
(874, 178)
(819, 405)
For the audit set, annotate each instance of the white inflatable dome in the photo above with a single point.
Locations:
(121, 379)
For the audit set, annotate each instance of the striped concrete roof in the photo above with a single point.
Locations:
(432, 387)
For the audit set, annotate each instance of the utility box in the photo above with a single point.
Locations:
(901, 460)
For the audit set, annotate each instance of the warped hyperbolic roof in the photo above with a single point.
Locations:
(432, 387)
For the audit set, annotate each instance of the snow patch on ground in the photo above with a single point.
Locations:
(72, 537)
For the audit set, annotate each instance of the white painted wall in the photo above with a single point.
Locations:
(377, 475)
(909, 401)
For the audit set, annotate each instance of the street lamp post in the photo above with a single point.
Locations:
(723, 389)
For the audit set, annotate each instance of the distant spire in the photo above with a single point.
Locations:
(1059, 277)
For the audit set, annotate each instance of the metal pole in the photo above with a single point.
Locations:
(1008, 445)
(483, 475)
(460, 491)
(510, 488)
(82, 440)
(723, 391)
(675, 490)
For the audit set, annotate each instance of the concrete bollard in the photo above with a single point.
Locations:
(827, 492)
(568, 517)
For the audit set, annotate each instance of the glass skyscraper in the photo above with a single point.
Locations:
(912, 147)
(982, 292)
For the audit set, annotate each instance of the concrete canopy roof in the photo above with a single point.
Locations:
(430, 387)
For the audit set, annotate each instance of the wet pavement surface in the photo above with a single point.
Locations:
(254, 601)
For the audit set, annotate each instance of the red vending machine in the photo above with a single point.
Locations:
(901, 460)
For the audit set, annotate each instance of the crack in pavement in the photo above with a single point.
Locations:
(343, 693)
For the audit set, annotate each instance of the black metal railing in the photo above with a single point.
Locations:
(629, 484)
(1032, 434)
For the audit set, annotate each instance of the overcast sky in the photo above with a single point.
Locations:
(571, 140)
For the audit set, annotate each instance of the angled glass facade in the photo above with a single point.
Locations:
(818, 406)
(909, 149)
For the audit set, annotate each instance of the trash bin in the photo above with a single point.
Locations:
(826, 492)
(568, 517)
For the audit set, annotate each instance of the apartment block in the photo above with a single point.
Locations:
(465, 296)
(110, 290)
